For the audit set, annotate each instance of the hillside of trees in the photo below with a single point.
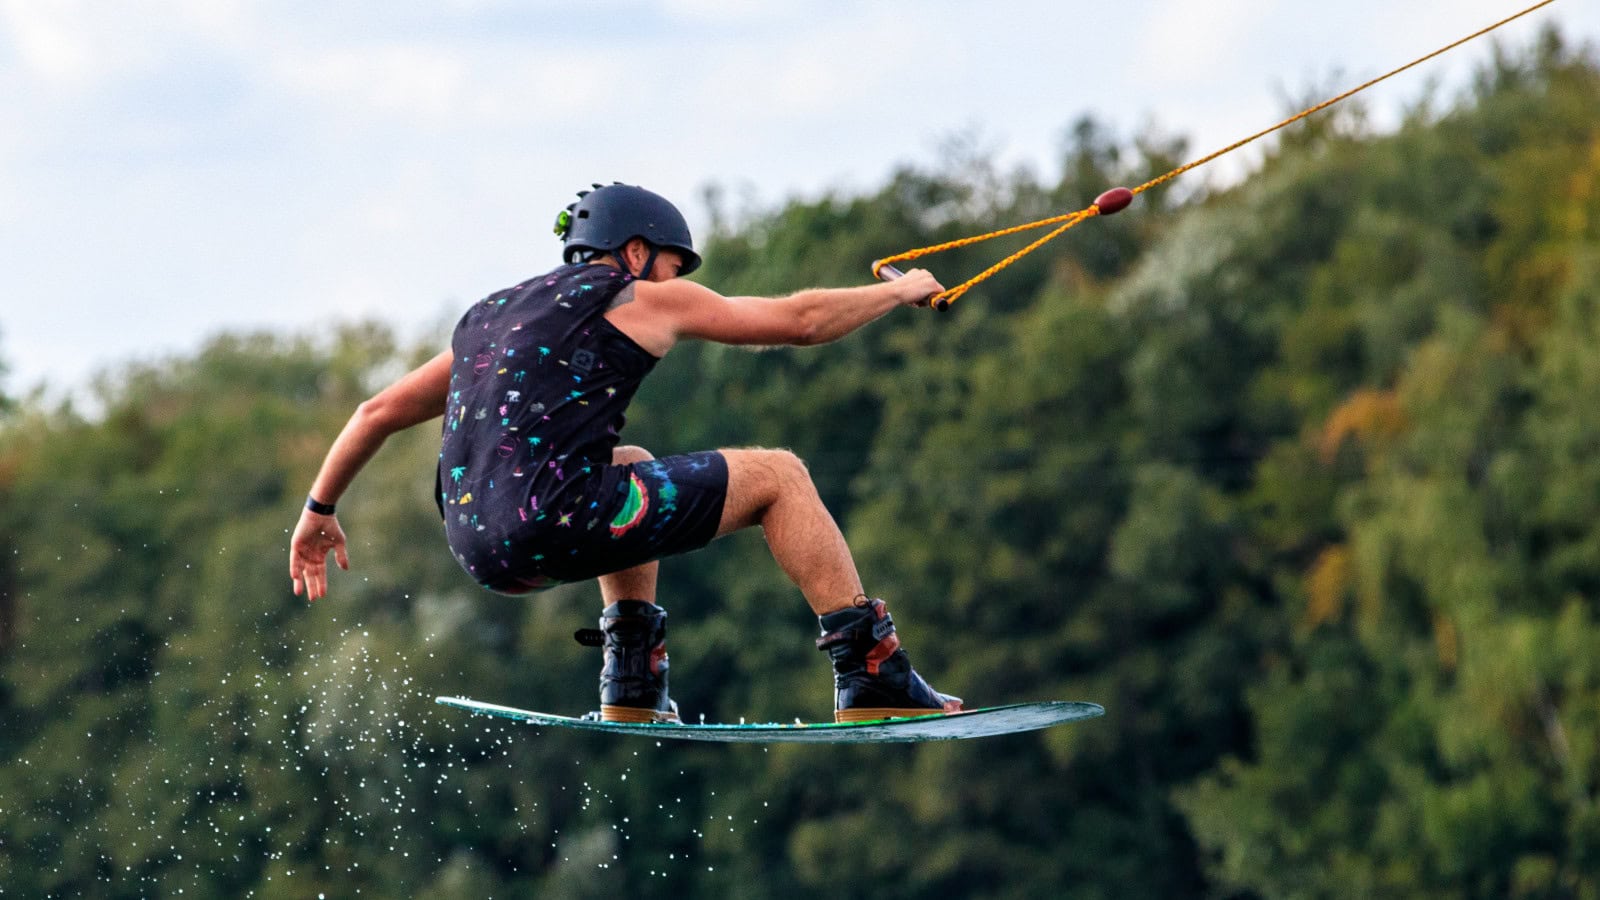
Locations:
(1300, 479)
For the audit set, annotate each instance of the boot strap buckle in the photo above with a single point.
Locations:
(880, 629)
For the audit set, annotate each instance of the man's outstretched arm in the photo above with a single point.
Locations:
(415, 398)
(662, 313)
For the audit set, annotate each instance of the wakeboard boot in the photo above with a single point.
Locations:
(872, 676)
(633, 680)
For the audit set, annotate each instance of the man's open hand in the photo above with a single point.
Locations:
(308, 553)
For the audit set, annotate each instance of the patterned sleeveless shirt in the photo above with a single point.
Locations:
(538, 389)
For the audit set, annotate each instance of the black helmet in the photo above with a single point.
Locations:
(606, 218)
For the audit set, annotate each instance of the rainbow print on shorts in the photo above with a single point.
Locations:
(634, 510)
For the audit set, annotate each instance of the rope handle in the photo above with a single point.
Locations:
(885, 272)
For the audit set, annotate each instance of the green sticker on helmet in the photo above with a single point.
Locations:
(563, 223)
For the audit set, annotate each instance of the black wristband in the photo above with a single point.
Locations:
(321, 509)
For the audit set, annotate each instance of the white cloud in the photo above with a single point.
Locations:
(722, 12)
(390, 79)
(1186, 42)
(444, 86)
(82, 44)
(51, 40)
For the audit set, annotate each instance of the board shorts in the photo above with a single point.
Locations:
(622, 516)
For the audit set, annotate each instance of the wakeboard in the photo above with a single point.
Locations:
(974, 723)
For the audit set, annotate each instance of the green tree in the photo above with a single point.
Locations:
(1421, 734)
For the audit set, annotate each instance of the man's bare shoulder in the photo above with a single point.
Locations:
(653, 313)
(676, 293)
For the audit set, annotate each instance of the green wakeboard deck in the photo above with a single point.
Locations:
(974, 723)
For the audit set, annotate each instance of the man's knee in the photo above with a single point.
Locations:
(769, 472)
(791, 467)
(626, 454)
(759, 479)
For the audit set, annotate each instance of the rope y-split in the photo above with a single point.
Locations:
(1116, 199)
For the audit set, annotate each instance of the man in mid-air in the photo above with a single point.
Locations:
(536, 489)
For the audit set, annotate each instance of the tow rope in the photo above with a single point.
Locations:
(1117, 199)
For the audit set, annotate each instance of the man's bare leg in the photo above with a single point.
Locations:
(772, 489)
(639, 582)
(873, 678)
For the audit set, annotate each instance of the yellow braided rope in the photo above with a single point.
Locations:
(1069, 220)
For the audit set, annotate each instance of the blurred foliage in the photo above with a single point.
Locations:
(1300, 479)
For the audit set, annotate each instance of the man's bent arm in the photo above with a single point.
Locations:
(415, 398)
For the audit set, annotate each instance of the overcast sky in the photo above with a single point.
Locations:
(170, 169)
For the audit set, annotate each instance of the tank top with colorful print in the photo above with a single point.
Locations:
(538, 388)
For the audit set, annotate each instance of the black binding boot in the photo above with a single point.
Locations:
(872, 676)
(633, 681)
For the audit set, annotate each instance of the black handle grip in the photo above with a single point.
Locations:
(888, 272)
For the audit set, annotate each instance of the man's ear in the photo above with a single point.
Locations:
(638, 251)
